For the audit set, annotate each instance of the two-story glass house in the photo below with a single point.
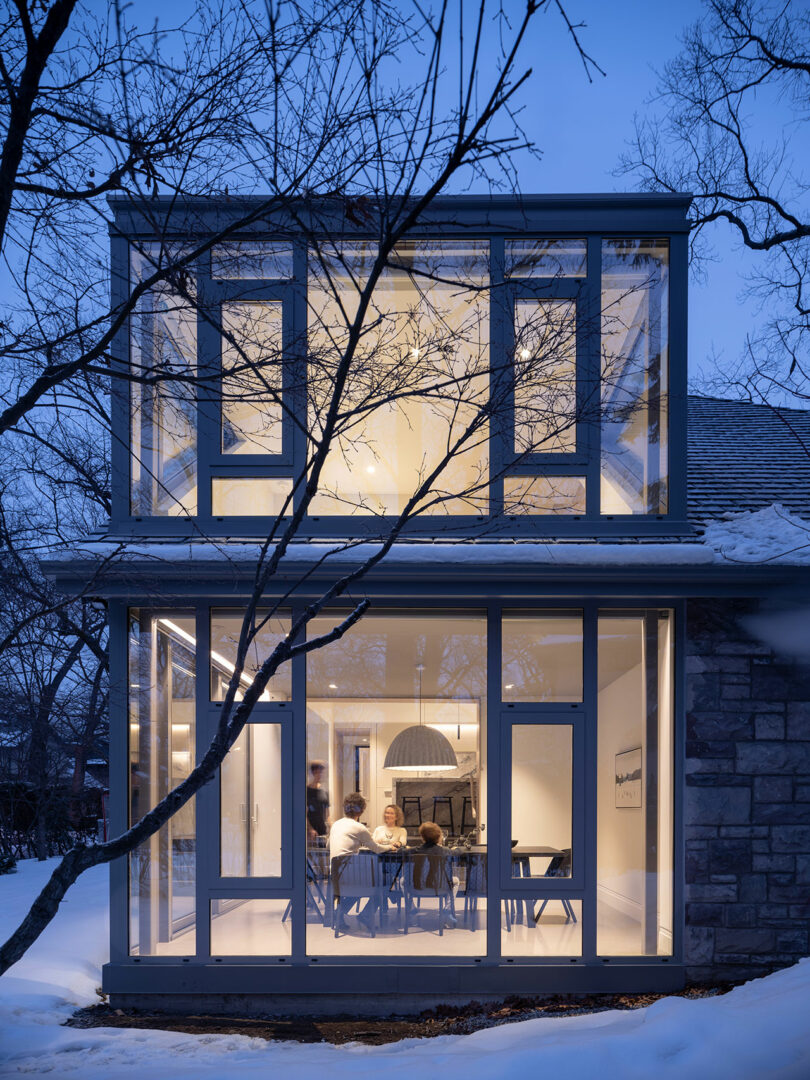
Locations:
(520, 677)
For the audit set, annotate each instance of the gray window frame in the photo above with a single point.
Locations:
(595, 218)
(500, 718)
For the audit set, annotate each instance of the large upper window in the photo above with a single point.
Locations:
(416, 387)
(470, 386)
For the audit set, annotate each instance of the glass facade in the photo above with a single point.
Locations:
(162, 743)
(396, 850)
(488, 778)
(408, 415)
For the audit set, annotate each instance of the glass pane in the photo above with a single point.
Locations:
(545, 376)
(634, 790)
(251, 378)
(371, 696)
(251, 927)
(542, 656)
(541, 926)
(163, 338)
(162, 871)
(545, 258)
(543, 495)
(419, 381)
(250, 804)
(635, 352)
(249, 259)
(542, 800)
(251, 496)
(226, 627)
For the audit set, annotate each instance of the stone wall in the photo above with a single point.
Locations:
(747, 814)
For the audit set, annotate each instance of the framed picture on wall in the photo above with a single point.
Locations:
(628, 778)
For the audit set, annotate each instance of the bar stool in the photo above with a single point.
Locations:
(447, 802)
(409, 801)
(466, 823)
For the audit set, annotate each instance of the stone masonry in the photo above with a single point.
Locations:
(747, 814)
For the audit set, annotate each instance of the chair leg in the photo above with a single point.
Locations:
(540, 912)
(287, 911)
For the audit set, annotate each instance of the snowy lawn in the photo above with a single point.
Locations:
(761, 1029)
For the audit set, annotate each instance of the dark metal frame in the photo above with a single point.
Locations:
(592, 217)
(203, 973)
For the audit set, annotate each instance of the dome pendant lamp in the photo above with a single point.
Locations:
(419, 748)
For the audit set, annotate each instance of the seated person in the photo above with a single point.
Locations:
(346, 837)
(432, 866)
(348, 834)
(392, 833)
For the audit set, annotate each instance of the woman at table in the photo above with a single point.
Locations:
(392, 834)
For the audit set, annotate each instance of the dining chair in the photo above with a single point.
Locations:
(429, 876)
(354, 877)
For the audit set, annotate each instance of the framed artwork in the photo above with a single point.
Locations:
(628, 778)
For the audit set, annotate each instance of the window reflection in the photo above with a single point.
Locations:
(251, 496)
(251, 378)
(418, 381)
(162, 871)
(529, 495)
(545, 376)
(163, 410)
(542, 656)
(545, 258)
(635, 359)
(268, 630)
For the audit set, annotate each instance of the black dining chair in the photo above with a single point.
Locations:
(560, 866)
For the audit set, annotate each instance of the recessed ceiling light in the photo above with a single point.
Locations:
(332, 686)
(510, 686)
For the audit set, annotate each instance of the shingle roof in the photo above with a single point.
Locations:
(744, 456)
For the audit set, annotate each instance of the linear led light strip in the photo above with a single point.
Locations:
(215, 656)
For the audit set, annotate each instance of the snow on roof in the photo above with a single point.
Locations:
(760, 536)
(770, 535)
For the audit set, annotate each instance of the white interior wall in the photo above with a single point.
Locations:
(665, 786)
(620, 830)
(266, 783)
(541, 784)
(382, 721)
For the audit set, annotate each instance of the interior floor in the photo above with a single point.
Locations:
(257, 928)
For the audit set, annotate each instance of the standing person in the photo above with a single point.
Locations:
(317, 806)
(392, 832)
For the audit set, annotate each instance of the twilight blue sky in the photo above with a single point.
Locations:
(582, 128)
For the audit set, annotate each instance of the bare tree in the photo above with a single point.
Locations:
(742, 61)
(352, 145)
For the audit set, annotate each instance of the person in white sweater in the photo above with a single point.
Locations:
(346, 837)
(392, 834)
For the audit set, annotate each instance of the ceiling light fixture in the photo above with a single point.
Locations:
(419, 748)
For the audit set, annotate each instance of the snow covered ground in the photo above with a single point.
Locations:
(761, 1029)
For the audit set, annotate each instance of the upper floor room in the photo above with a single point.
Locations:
(501, 365)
